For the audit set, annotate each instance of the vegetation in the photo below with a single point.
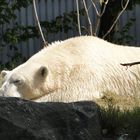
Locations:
(118, 122)
(13, 35)
(120, 116)
(122, 36)
(113, 9)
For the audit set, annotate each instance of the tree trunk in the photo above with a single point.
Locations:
(112, 10)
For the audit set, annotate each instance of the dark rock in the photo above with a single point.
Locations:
(26, 120)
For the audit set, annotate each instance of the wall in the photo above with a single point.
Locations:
(48, 10)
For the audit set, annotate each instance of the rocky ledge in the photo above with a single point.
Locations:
(26, 120)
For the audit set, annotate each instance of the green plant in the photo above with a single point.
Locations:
(112, 11)
(118, 119)
(122, 36)
(62, 23)
(11, 36)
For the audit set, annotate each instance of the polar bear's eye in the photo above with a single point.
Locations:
(17, 81)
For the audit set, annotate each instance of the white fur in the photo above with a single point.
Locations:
(79, 68)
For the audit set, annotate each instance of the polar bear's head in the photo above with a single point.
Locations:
(24, 82)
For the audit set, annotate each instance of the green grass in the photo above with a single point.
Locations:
(120, 115)
(118, 122)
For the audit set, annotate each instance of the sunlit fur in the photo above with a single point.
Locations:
(80, 68)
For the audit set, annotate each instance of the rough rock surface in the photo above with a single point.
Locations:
(26, 120)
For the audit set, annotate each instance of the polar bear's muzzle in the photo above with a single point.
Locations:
(1, 92)
(9, 92)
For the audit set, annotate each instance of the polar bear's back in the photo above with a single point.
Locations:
(85, 48)
(80, 67)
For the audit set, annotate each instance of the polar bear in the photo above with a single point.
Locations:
(79, 68)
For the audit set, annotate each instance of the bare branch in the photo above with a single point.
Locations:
(130, 64)
(38, 23)
(117, 19)
(96, 10)
(105, 4)
(90, 24)
(122, 4)
(99, 15)
(78, 17)
(97, 24)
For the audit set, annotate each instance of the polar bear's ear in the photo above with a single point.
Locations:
(4, 73)
(43, 71)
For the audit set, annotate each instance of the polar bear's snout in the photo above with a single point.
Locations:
(1, 92)
(3, 89)
(8, 90)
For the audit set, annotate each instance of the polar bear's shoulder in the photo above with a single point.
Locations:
(73, 44)
(79, 41)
